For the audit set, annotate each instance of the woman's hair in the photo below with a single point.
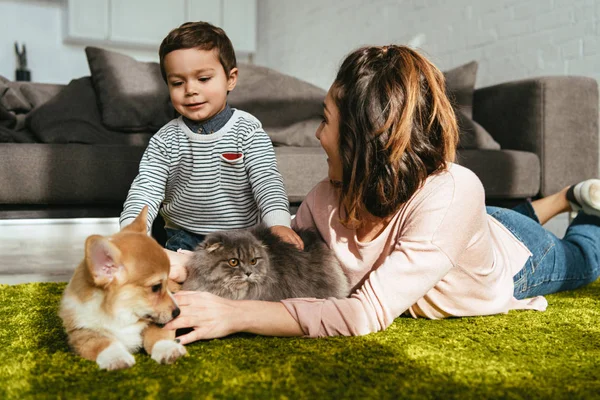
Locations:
(397, 127)
(202, 36)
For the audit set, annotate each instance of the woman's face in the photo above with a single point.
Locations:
(328, 134)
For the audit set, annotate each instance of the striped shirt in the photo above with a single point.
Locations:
(205, 183)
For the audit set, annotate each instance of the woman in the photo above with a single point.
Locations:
(409, 227)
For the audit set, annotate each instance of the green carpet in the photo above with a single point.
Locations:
(525, 354)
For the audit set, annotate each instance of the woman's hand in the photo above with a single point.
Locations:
(178, 259)
(208, 315)
(213, 317)
(288, 235)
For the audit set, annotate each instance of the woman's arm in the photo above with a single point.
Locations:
(212, 317)
(437, 225)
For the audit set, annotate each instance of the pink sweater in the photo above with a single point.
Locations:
(440, 256)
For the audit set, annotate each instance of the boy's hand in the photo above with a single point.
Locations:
(178, 259)
(288, 235)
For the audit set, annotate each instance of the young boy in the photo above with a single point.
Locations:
(214, 167)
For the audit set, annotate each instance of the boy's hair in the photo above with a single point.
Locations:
(198, 35)
(397, 127)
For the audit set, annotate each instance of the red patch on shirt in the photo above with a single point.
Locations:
(232, 156)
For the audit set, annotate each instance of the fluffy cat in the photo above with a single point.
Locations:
(255, 264)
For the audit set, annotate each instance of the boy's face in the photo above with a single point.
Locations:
(197, 82)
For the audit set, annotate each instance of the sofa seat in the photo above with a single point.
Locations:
(73, 150)
(505, 174)
(102, 174)
(66, 173)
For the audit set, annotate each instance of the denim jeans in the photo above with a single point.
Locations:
(180, 239)
(556, 264)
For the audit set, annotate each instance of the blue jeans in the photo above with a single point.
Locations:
(180, 239)
(556, 264)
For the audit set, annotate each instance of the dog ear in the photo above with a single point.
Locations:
(103, 259)
(139, 224)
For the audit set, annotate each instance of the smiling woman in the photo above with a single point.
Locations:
(409, 227)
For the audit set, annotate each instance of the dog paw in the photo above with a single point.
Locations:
(114, 357)
(167, 351)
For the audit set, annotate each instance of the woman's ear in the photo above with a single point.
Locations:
(232, 79)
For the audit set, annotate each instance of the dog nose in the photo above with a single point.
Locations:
(176, 312)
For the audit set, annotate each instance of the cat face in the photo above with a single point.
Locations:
(237, 260)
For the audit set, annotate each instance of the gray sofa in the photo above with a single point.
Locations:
(73, 150)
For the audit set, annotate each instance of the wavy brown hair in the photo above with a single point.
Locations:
(198, 35)
(397, 127)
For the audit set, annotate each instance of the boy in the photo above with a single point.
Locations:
(214, 167)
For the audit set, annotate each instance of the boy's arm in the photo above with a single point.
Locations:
(265, 179)
(148, 187)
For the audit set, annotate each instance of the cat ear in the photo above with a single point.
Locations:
(211, 243)
(213, 247)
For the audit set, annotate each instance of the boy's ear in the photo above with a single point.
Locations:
(103, 260)
(139, 224)
(232, 79)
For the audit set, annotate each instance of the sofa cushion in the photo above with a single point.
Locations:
(18, 98)
(11, 97)
(73, 116)
(133, 97)
(6, 135)
(13, 104)
(460, 86)
(131, 94)
(473, 135)
(288, 108)
(66, 173)
(71, 174)
(302, 168)
(506, 174)
(59, 174)
(39, 93)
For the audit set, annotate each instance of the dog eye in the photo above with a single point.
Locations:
(253, 261)
(233, 262)
(157, 287)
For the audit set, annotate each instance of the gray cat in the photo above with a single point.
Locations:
(255, 264)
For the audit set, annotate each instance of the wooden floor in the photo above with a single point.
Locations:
(46, 250)
(49, 250)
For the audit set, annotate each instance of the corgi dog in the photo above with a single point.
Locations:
(117, 299)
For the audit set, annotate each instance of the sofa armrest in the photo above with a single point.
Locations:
(554, 117)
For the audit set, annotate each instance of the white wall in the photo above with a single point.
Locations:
(39, 24)
(510, 39)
